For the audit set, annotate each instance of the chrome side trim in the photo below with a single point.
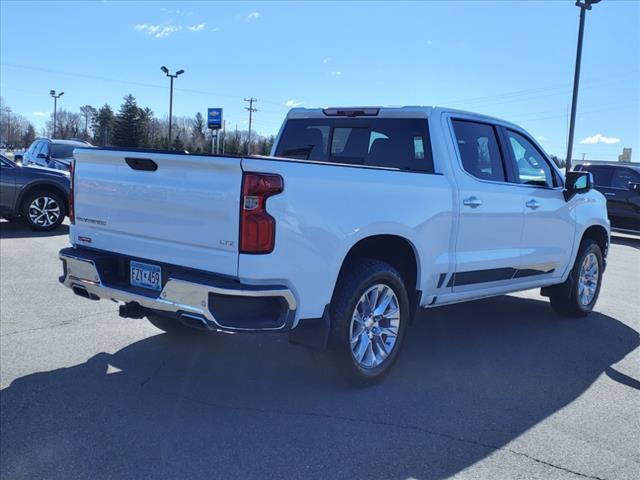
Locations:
(177, 296)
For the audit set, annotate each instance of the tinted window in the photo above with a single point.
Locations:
(622, 177)
(59, 150)
(531, 166)
(383, 142)
(479, 151)
(601, 175)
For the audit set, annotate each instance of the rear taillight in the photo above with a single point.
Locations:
(257, 227)
(72, 210)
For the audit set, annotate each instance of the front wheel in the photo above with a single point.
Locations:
(578, 295)
(369, 315)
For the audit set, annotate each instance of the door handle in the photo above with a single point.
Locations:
(533, 204)
(608, 194)
(473, 202)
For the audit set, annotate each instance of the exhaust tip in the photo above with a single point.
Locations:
(82, 291)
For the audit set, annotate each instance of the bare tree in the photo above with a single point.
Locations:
(87, 112)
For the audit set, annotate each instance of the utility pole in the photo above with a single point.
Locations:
(251, 110)
(166, 72)
(55, 109)
(584, 6)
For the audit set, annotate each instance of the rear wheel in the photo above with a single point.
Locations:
(369, 315)
(43, 210)
(578, 295)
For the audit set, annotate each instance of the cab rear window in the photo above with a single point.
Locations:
(399, 143)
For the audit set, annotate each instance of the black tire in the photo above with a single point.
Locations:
(170, 325)
(565, 298)
(49, 224)
(359, 277)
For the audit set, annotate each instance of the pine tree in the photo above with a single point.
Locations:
(126, 132)
(145, 120)
(102, 126)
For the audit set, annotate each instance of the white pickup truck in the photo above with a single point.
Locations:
(360, 217)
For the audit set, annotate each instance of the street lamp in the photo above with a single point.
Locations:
(55, 109)
(584, 6)
(166, 72)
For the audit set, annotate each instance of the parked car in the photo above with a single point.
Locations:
(52, 153)
(361, 216)
(33, 194)
(620, 183)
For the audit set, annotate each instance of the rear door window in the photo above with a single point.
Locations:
(622, 177)
(399, 143)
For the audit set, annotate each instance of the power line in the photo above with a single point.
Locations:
(128, 82)
(250, 108)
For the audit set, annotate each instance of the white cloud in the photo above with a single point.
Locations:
(336, 73)
(253, 16)
(326, 60)
(541, 138)
(158, 31)
(292, 103)
(599, 138)
(41, 114)
(197, 28)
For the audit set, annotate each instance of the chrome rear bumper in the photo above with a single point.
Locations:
(180, 296)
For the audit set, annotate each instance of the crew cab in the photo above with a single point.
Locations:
(360, 217)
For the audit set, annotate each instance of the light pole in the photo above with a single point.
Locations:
(55, 109)
(584, 6)
(175, 75)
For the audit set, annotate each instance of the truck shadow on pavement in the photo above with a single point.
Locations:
(471, 379)
(18, 229)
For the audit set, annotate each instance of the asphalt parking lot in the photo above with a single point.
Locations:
(498, 388)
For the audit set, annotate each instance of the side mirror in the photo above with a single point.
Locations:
(18, 158)
(577, 182)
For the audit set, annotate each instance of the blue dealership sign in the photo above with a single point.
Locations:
(214, 118)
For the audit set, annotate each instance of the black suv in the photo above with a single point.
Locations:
(620, 183)
(36, 195)
(52, 153)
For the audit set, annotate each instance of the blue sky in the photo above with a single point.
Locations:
(513, 60)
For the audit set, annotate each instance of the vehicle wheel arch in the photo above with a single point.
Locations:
(396, 250)
(42, 187)
(599, 234)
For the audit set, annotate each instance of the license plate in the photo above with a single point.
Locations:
(146, 276)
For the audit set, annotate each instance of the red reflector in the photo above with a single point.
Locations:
(257, 227)
(72, 209)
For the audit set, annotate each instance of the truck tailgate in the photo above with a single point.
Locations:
(172, 208)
